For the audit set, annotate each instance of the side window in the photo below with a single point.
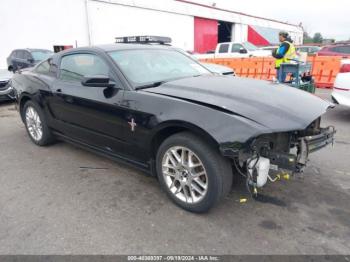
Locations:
(75, 67)
(344, 49)
(20, 54)
(26, 55)
(235, 48)
(223, 48)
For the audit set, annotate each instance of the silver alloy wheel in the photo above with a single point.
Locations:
(33, 123)
(184, 174)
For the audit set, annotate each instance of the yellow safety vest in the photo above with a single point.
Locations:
(291, 54)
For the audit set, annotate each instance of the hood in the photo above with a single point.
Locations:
(5, 75)
(275, 106)
(219, 69)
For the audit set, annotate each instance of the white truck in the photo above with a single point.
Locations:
(233, 49)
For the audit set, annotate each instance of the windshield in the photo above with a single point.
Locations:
(143, 67)
(250, 46)
(41, 55)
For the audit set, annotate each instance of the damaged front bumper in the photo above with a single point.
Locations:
(6, 91)
(310, 144)
(295, 160)
(278, 152)
(321, 140)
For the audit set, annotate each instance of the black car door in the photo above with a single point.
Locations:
(90, 114)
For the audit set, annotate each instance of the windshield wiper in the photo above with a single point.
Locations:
(158, 83)
(154, 84)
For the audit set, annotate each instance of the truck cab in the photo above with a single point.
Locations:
(236, 49)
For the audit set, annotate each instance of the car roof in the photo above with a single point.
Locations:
(309, 46)
(233, 42)
(115, 47)
(37, 49)
(31, 49)
(111, 47)
(335, 45)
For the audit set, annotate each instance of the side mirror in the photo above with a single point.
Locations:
(30, 60)
(97, 81)
(243, 50)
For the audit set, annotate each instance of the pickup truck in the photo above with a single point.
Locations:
(233, 49)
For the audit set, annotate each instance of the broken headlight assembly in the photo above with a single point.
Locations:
(280, 152)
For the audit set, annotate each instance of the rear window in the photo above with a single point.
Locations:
(223, 48)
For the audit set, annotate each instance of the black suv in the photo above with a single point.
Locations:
(22, 58)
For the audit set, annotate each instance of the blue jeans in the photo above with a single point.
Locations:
(281, 76)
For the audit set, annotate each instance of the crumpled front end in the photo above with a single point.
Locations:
(266, 154)
(6, 90)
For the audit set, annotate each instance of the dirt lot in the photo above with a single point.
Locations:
(63, 200)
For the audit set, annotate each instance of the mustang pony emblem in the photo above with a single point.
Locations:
(132, 124)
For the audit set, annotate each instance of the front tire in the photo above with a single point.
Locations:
(36, 125)
(193, 173)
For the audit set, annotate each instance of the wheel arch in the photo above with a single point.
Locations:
(169, 128)
(23, 100)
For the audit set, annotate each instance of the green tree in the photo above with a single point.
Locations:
(307, 38)
(317, 38)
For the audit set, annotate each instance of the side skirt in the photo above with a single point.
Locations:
(144, 167)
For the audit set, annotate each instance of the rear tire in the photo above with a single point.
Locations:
(36, 124)
(199, 179)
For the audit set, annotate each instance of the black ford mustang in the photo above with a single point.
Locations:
(155, 107)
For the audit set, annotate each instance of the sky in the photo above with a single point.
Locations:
(330, 18)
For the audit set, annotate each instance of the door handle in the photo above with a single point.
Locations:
(59, 90)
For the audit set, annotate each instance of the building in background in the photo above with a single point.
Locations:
(191, 25)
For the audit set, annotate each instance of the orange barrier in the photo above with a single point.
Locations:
(324, 68)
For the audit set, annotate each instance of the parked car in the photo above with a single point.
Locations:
(341, 89)
(335, 50)
(219, 69)
(269, 48)
(233, 49)
(310, 50)
(22, 58)
(156, 108)
(6, 91)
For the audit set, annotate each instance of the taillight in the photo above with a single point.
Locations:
(345, 68)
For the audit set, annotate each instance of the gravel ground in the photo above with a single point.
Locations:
(50, 204)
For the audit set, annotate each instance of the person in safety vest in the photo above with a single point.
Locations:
(283, 54)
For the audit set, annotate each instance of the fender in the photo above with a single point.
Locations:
(165, 111)
(163, 130)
